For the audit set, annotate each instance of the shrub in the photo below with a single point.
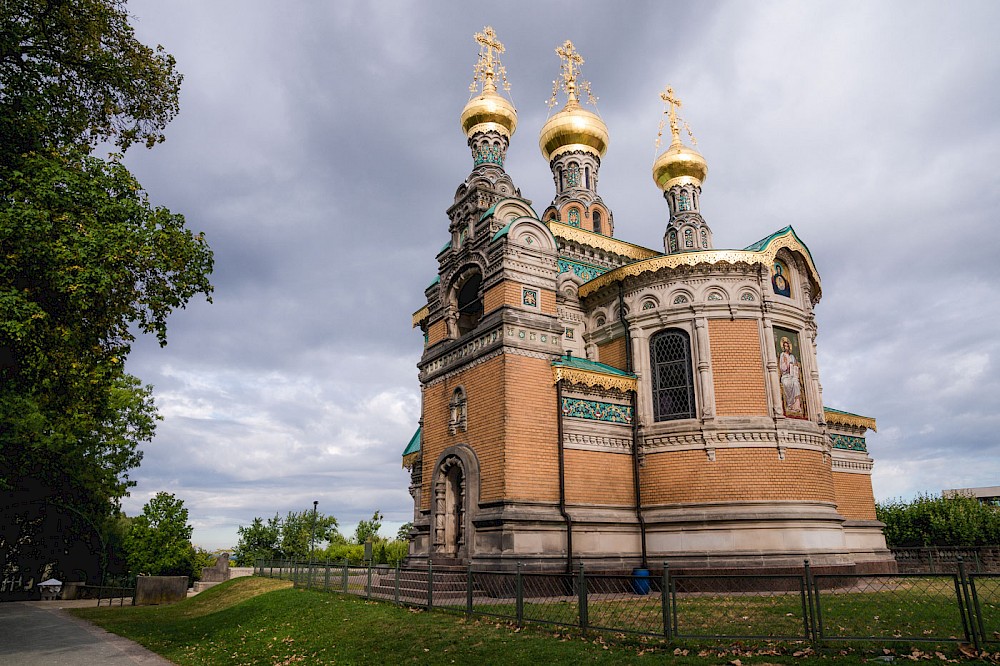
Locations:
(939, 521)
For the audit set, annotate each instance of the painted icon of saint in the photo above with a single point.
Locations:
(779, 280)
(791, 381)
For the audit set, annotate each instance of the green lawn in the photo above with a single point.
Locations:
(264, 621)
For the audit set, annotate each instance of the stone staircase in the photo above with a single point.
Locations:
(450, 578)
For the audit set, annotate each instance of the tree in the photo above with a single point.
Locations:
(928, 520)
(368, 529)
(297, 533)
(259, 540)
(73, 74)
(85, 261)
(159, 539)
(403, 534)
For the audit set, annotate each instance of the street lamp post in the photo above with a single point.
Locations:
(312, 537)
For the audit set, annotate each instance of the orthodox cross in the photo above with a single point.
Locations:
(489, 65)
(673, 103)
(569, 71)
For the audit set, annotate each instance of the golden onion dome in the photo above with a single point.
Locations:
(489, 111)
(679, 165)
(573, 128)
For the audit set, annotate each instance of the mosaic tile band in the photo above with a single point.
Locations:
(597, 411)
(848, 442)
(584, 271)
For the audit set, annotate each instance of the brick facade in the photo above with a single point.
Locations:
(737, 367)
(735, 475)
(599, 478)
(855, 499)
(530, 429)
(613, 353)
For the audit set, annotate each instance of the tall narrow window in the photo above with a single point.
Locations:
(673, 386)
(597, 223)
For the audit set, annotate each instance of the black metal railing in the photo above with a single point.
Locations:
(956, 607)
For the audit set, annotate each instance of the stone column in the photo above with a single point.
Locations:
(640, 364)
(703, 362)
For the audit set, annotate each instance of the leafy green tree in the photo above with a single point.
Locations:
(403, 534)
(939, 521)
(85, 261)
(73, 74)
(368, 529)
(159, 540)
(258, 540)
(201, 559)
(297, 533)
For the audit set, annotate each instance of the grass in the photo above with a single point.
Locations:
(265, 621)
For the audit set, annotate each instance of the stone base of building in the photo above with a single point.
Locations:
(747, 537)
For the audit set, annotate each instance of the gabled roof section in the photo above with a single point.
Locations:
(591, 373)
(838, 417)
(600, 241)
(412, 450)
(492, 209)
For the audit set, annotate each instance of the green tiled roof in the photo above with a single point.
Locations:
(414, 445)
(764, 242)
(840, 411)
(502, 232)
(589, 366)
(444, 247)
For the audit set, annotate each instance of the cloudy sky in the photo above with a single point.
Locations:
(318, 147)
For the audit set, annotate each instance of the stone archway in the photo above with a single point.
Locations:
(450, 508)
(454, 506)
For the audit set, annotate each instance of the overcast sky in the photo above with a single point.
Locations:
(318, 147)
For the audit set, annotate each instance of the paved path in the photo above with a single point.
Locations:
(39, 633)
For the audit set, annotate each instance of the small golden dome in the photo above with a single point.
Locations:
(679, 165)
(573, 128)
(489, 111)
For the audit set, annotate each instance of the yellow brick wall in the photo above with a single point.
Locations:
(595, 477)
(855, 499)
(483, 385)
(436, 332)
(531, 430)
(612, 353)
(509, 293)
(737, 367)
(735, 475)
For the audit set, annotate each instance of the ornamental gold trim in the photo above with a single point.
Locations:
(589, 378)
(410, 459)
(420, 315)
(606, 243)
(670, 261)
(839, 418)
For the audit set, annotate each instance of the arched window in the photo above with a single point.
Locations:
(672, 236)
(597, 222)
(673, 386)
(469, 304)
(586, 177)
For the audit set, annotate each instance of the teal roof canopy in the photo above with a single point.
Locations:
(414, 445)
(578, 363)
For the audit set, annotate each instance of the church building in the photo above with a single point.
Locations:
(587, 400)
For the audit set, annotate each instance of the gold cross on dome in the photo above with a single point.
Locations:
(674, 103)
(488, 65)
(571, 61)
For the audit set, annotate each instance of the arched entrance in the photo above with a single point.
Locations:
(450, 508)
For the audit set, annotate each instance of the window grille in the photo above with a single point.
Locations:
(673, 387)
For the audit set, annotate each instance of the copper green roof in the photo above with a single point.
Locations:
(492, 209)
(578, 363)
(444, 247)
(764, 242)
(502, 232)
(414, 445)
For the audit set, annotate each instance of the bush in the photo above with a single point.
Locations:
(383, 552)
(939, 521)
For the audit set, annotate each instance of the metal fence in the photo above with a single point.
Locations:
(816, 607)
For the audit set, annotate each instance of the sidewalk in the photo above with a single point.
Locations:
(39, 633)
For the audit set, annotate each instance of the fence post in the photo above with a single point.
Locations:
(430, 584)
(970, 627)
(468, 592)
(665, 599)
(519, 595)
(582, 591)
(326, 575)
(343, 577)
(396, 592)
(368, 588)
(815, 623)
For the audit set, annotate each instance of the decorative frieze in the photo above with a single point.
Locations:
(466, 350)
(852, 466)
(584, 271)
(596, 411)
(597, 443)
(848, 443)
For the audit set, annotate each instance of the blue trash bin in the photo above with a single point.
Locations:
(640, 580)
